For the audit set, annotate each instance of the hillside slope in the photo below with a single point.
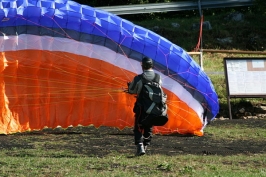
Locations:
(241, 28)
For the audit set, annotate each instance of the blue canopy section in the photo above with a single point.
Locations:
(83, 23)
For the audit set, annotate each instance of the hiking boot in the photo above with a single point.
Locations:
(140, 150)
(145, 147)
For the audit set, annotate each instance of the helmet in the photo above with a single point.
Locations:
(147, 63)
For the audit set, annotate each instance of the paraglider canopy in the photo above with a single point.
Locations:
(63, 63)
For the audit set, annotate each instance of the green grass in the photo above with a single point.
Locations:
(189, 165)
(38, 160)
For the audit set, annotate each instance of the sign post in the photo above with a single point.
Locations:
(245, 77)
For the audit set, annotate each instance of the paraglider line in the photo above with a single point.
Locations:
(111, 96)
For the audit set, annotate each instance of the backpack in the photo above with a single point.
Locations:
(153, 100)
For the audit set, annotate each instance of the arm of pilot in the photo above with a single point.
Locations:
(135, 86)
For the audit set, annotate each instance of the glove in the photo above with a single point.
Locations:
(126, 91)
(128, 84)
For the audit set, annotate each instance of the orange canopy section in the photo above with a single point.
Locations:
(40, 91)
(48, 89)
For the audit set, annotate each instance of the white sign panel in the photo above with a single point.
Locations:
(246, 76)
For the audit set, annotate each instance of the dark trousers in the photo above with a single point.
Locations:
(142, 133)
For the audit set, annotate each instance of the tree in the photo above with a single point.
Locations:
(260, 6)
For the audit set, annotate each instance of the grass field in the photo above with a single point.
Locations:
(230, 148)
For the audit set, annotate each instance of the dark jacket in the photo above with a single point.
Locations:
(136, 85)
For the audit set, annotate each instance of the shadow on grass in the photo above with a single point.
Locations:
(89, 141)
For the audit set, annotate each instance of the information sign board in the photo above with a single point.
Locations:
(245, 77)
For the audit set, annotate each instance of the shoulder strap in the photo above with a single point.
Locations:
(156, 78)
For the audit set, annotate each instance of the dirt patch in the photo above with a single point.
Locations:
(89, 141)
